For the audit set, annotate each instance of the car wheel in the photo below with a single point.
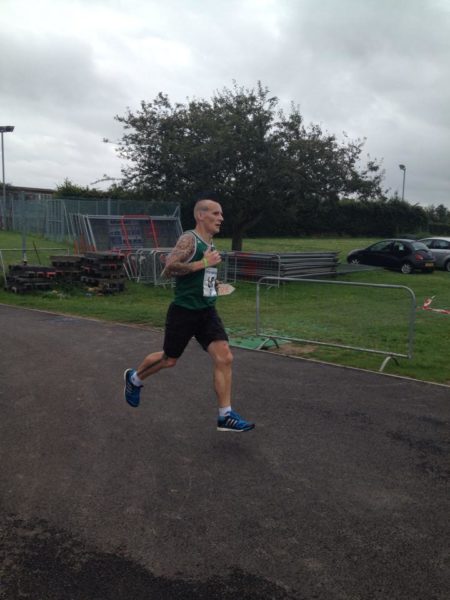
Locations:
(406, 268)
(447, 266)
(354, 261)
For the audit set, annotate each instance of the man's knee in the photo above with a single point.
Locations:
(223, 356)
(228, 358)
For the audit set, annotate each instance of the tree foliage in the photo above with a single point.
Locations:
(438, 219)
(68, 189)
(263, 163)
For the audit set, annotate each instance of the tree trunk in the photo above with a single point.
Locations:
(237, 235)
(236, 240)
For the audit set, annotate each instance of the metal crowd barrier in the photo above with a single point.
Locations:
(146, 266)
(279, 335)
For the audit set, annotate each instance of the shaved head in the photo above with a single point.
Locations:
(203, 206)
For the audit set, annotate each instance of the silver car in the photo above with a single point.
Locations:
(440, 248)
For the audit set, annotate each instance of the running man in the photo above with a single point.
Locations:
(193, 262)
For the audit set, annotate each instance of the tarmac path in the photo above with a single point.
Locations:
(340, 493)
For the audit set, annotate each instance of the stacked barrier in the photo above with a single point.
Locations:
(252, 266)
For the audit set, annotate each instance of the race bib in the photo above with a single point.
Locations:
(209, 282)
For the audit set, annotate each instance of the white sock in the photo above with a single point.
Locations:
(223, 412)
(135, 380)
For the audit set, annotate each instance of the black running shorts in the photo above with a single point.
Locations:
(182, 324)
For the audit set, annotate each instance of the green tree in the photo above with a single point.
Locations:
(318, 171)
(68, 189)
(440, 214)
(261, 162)
(438, 219)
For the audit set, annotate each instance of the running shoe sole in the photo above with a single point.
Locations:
(249, 428)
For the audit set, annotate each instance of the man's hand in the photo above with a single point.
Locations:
(212, 257)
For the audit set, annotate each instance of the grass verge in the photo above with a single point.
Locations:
(358, 316)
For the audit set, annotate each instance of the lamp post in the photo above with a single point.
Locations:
(403, 168)
(4, 129)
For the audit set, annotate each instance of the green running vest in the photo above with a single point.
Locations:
(197, 291)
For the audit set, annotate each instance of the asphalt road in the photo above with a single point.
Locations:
(340, 493)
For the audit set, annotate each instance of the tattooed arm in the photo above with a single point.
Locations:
(177, 262)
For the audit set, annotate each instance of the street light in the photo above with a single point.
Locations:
(4, 129)
(403, 168)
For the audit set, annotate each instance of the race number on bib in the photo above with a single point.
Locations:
(209, 282)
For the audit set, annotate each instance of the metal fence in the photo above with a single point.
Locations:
(125, 233)
(45, 215)
(300, 310)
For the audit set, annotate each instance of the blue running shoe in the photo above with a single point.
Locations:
(233, 422)
(132, 392)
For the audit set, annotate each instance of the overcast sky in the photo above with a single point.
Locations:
(375, 69)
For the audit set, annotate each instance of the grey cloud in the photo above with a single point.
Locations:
(373, 68)
(55, 76)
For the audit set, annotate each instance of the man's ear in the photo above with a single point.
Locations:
(201, 215)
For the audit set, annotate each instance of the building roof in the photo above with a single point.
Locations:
(35, 190)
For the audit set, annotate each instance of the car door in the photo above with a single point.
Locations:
(399, 252)
(441, 251)
(378, 254)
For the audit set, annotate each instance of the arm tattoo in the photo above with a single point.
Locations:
(176, 262)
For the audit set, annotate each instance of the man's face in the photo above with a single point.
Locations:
(213, 217)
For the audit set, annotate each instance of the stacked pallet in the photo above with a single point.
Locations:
(103, 271)
(100, 272)
(27, 278)
(67, 267)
